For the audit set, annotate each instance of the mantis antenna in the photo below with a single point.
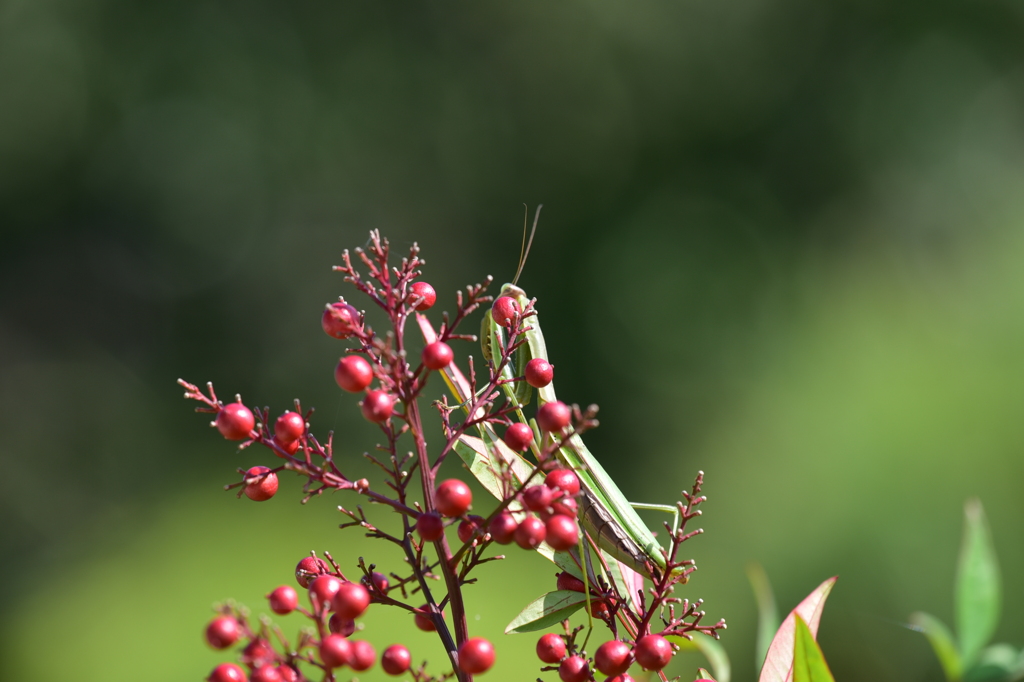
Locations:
(524, 250)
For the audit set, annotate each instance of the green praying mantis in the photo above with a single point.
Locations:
(608, 520)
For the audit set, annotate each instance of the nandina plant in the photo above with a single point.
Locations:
(539, 502)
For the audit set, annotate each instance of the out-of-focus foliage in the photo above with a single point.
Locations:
(781, 243)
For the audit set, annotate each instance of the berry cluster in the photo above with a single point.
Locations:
(540, 505)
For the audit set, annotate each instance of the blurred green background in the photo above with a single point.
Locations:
(781, 243)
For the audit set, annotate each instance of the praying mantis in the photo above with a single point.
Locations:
(608, 520)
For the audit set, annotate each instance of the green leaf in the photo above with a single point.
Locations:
(768, 620)
(703, 674)
(808, 662)
(978, 591)
(998, 662)
(546, 610)
(942, 642)
(778, 664)
(712, 650)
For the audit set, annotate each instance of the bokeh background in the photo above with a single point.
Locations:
(781, 243)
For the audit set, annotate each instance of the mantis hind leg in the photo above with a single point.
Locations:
(668, 508)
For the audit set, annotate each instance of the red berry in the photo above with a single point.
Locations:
(377, 406)
(222, 632)
(519, 436)
(550, 648)
(308, 569)
(323, 589)
(574, 669)
(283, 600)
(257, 653)
(612, 658)
(566, 505)
(267, 672)
(562, 532)
(339, 320)
(341, 626)
(503, 528)
(653, 652)
(363, 655)
(423, 619)
(396, 659)
(538, 497)
(351, 600)
(288, 673)
(235, 421)
(289, 427)
(476, 655)
(599, 609)
(539, 372)
(627, 678)
(567, 581)
(290, 448)
(453, 497)
(530, 532)
(429, 296)
(504, 309)
(260, 484)
(353, 373)
(227, 672)
(565, 480)
(437, 355)
(470, 527)
(553, 416)
(380, 582)
(335, 651)
(430, 526)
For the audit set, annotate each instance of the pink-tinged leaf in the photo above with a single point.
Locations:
(456, 380)
(778, 664)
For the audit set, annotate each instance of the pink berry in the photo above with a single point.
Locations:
(351, 600)
(227, 672)
(538, 497)
(599, 609)
(562, 532)
(353, 373)
(429, 296)
(430, 526)
(289, 427)
(653, 652)
(283, 600)
(339, 320)
(539, 372)
(378, 406)
(260, 484)
(323, 589)
(423, 619)
(613, 658)
(335, 651)
(437, 355)
(396, 659)
(258, 652)
(363, 655)
(380, 582)
(453, 497)
(235, 421)
(476, 655)
(290, 448)
(267, 672)
(567, 581)
(341, 626)
(503, 528)
(574, 669)
(550, 648)
(530, 533)
(565, 505)
(288, 673)
(222, 632)
(565, 480)
(518, 436)
(308, 569)
(504, 310)
(553, 416)
(625, 677)
(470, 527)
